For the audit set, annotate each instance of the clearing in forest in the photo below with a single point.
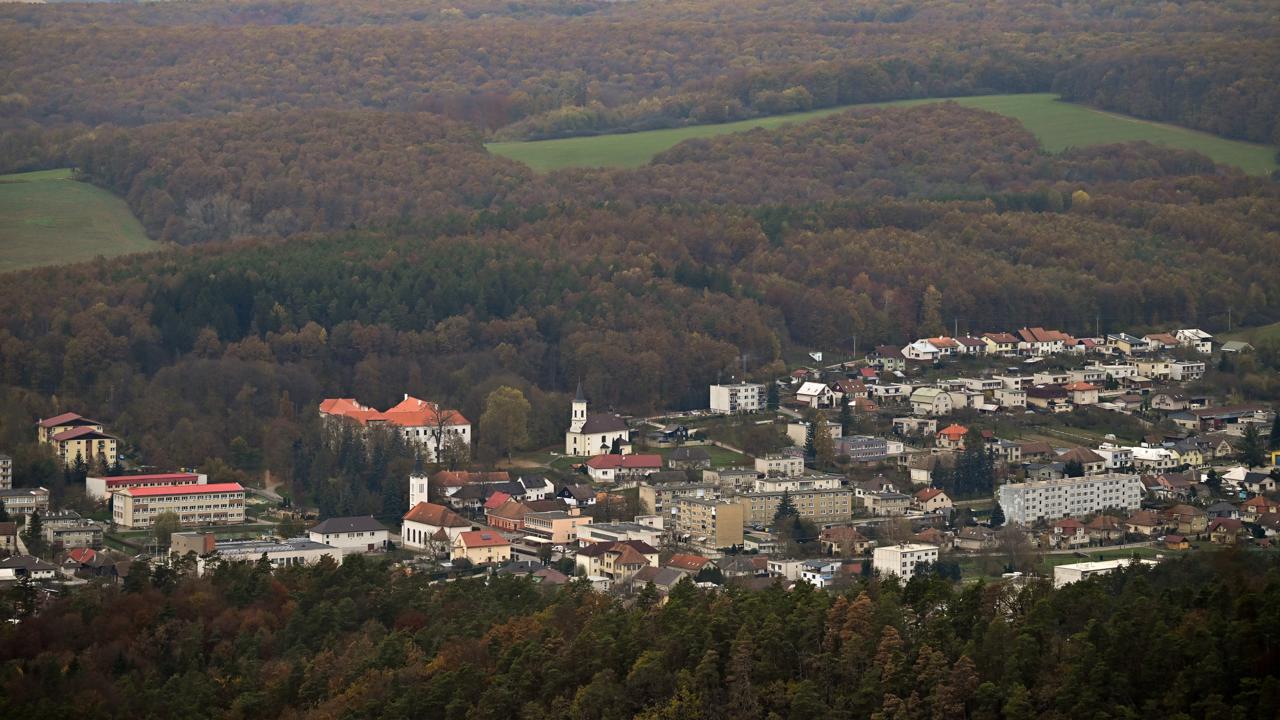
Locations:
(47, 218)
(1058, 125)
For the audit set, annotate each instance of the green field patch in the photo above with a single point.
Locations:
(1057, 125)
(47, 218)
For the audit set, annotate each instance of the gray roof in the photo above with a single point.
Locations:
(603, 423)
(364, 523)
(26, 562)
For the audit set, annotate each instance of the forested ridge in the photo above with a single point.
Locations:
(1195, 638)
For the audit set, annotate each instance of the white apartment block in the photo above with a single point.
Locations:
(1117, 457)
(217, 503)
(1029, 502)
(780, 465)
(741, 397)
(798, 483)
(902, 560)
(1186, 371)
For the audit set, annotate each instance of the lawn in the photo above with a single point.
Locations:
(1058, 125)
(1253, 334)
(46, 218)
(720, 457)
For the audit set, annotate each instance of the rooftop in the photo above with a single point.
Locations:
(162, 490)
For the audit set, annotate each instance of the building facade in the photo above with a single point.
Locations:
(280, 553)
(594, 434)
(826, 505)
(1030, 502)
(100, 488)
(6, 472)
(24, 501)
(350, 534)
(422, 423)
(713, 524)
(216, 504)
(737, 398)
(902, 560)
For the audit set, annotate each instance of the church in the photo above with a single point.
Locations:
(591, 435)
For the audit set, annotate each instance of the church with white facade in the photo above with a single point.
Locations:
(591, 435)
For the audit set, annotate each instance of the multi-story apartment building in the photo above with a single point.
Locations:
(799, 483)
(67, 529)
(24, 501)
(1029, 502)
(862, 448)
(557, 526)
(100, 488)
(741, 397)
(215, 504)
(422, 423)
(6, 472)
(713, 524)
(1186, 371)
(819, 505)
(902, 560)
(72, 436)
(666, 495)
(780, 465)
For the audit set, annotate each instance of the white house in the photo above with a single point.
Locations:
(1195, 338)
(736, 398)
(931, 402)
(902, 560)
(350, 534)
(922, 350)
(815, 394)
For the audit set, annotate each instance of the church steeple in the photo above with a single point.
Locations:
(579, 417)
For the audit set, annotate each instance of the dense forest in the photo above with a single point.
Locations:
(1193, 639)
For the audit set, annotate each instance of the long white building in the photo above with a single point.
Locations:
(213, 504)
(1029, 502)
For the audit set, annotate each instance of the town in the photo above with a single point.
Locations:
(1008, 456)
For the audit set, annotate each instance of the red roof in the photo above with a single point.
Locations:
(64, 419)
(1069, 524)
(954, 432)
(928, 494)
(605, 462)
(166, 478)
(1080, 387)
(1001, 338)
(410, 412)
(161, 490)
(496, 500)
(82, 555)
(682, 561)
(81, 432)
(482, 538)
(435, 515)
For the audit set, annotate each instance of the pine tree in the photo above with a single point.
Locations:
(786, 509)
(4, 514)
(997, 516)
(771, 396)
(34, 535)
(1251, 451)
(846, 419)
(743, 702)
(809, 447)
(1074, 468)
(824, 448)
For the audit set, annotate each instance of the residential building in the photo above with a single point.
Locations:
(427, 524)
(931, 402)
(6, 472)
(666, 496)
(1154, 368)
(611, 559)
(1195, 338)
(8, 538)
(593, 533)
(292, 552)
(351, 534)
(788, 569)
(885, 502)
(780, 465)
(798, 431)
(914, 427)
(890, 391)
(65, 528)
(1186, 371)
(734, 479)
(481, 547)
(903, 560)
(952, 436)
(1222, 418)
(1000, 343)
(1117, 457)
(420, 422)
(689, 458)
(932, 500)
(800, 483)
(887, 357)
(1091, 462)
(214, 504)
(843, 540)
(862, 448)
(616, 468)
(975, 538)
(1155, 459)
(559, 526)
(1039, 341)
(1082, 393)
(1010, 398)
(1052, 398)
(100, 488)
(815, 395)
(593, 434)
(922, 350)
(1030, 502)
(20, 566)
(713, 524)
(738, 398)
(73, 436)
(1126, 344)
(1074, 572)
(819, 573)
(24, 501)
(818, 505)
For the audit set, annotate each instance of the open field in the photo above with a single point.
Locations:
(46, 218)
(1058, 125)
(1253, 334)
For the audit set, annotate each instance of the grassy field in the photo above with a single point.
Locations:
(46, 218)
(1058, 125)
(1253, 334)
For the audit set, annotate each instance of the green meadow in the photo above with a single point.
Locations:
(1058, 125)
(47, 218)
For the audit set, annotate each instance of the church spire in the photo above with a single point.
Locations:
(581, 396)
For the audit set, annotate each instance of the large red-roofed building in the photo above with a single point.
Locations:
(194, 504)
(100, 488)
(421, 422)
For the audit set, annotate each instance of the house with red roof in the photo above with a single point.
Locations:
(428, 526)
(1082, 393)
(612, 468)
(952, 436)
(684, 562)
(420, 422)
(73, 436)
(932, 500)
(508, 515)
(1070, 532)
(481, 547)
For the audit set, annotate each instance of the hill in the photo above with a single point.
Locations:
(1057, 125)
(47, 218)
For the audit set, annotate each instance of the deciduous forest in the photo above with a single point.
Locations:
(1193, 638)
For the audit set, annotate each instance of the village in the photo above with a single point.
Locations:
(1002, 456)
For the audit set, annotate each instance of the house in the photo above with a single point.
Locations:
(932, 500)
(1126, 344)
(922, 467)
(1195, 338)
(1258, 483)
(1176, 542)
(8, 538)
(481, 547)
(1091, 462)
(427, 520)
(815, 395)
(1226, 531)
(1082, 393)
(1040, 342)
(421, 423)
(686, 563)
(843, 540)
(507, 516)
(933, 536)
(819, 573)
(20, 566)
(914, 427)
(1185, 519)
(1222, 509)
(888, 357)
(882, 503)
(1000, 343)
(1070, 532)
(1257, 507)
(351, 534)
(930, 402)
(616, 560)
(1105, 528)
(1144, 522)
(1154, 459)
(952, 436)
(593, 434)
(1186, 370)
(922, 351)
(970, 346)
(1010, 397)
(1053, 398)
(1236, 346)
(577, 495)
(664, 580)
(1169, 401)
(1037, 450)
(615, 468)
(689, 458)
(847, 391)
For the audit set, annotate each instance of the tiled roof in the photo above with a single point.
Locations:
(509, 510)
(435, 515)
(67, 418)
(482, 538)
(684, 561)
(410, 412)
(954, 431)
(81, 433)
(1082, 455)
